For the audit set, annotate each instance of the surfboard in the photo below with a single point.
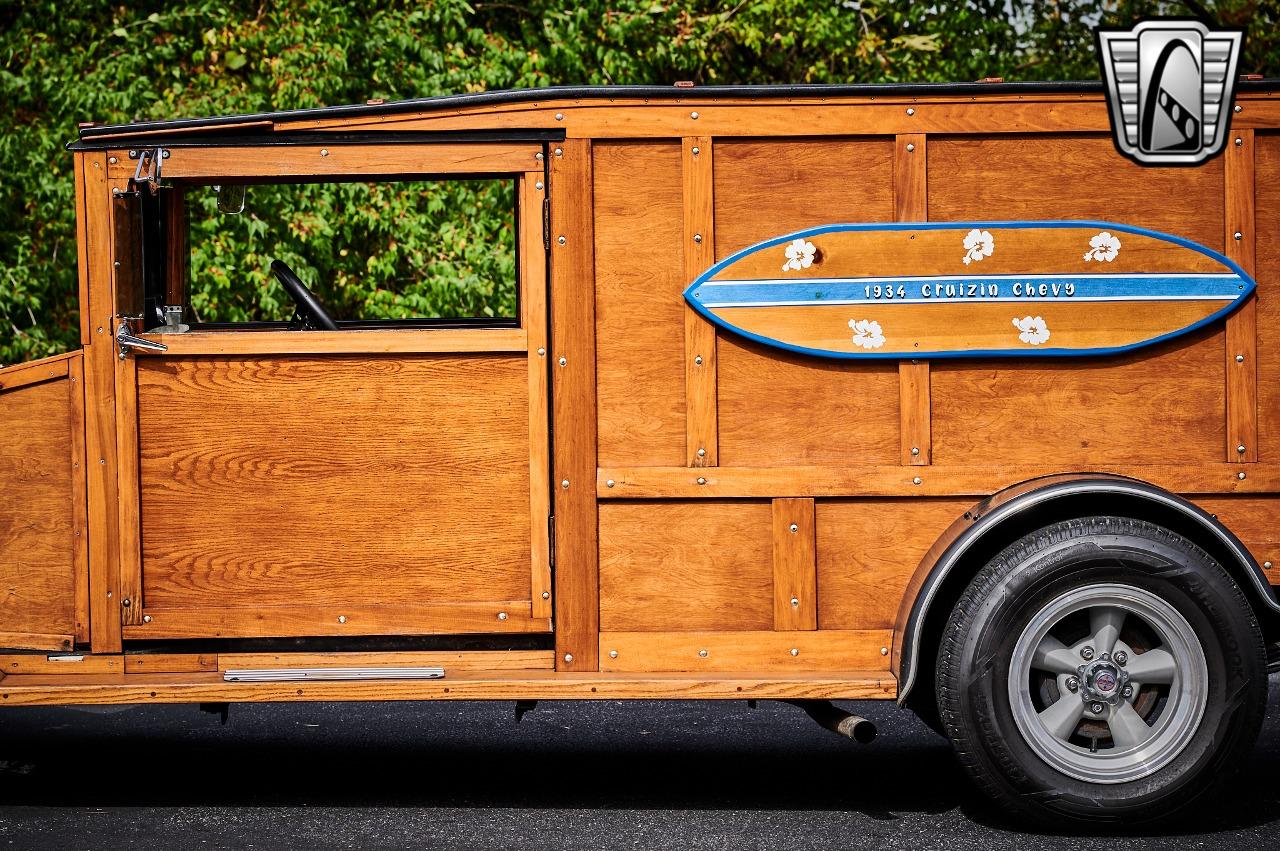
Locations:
(969, 289)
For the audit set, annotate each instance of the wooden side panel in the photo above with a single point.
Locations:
(575, 446)
(723, 652)
(704, 565)
(1267, 296)
(867, 552)
(1087, 412)
(1253, 519)
(699, 334)
(795, 586)
(640, 314)
(39, 548)
(775, 408)
(769, 188)
(332, 482)
(1241, 327)
(533, 305)
(780, 409)
(911, 204)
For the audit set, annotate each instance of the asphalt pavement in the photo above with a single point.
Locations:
(591, 776)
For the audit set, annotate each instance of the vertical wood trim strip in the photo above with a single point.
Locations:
(82, 246)
(701, 419)
(911, 204)
(533, 300)
(1242, 325)
(577, 597)
(129, 490)
(795, 566)
(100, 408)
(79, 499)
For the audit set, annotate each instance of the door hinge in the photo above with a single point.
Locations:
(546, 224)
(551, 539)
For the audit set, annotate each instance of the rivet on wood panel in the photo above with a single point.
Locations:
(795, 602)
(917, 480)
(910, 148)
(884, 651)
(563, 361)
(911, 111)
(546, 595)
(1238, 235)
(795, 651)
(559, 152)
(702, 653)
(702, 453)
(1239, 109)
(502, 616)
(1267, 565)
(102, 460)
(561, 240)
(694, 116)
(701, 480)
(610, 483)
(1239, 358)
(99, 329)
(541, 352)
(538, 156)
(794, 528)
(1240, 476)
(568, 657)
(537, 184)
(146, 618)
(126, 602)
(112, 160)
(324, 152)
(342, 618)
(565, 484)
(696, 150)
(559, 116)
(915, 450)
(697, 237)
(613, 654)
(1240, 449)
(1239, 141)
(697, 360)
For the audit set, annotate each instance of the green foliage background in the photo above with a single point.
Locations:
(61, 63)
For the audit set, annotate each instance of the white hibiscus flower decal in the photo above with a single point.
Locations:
(799, 255)
(978, 243)
(867, 333)
(1104, 247)
(1032, 330)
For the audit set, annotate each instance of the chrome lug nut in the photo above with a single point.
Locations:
(1127, 692)
(1096, 709)
(1073, 684)
(1086, 653)
(1121, 658)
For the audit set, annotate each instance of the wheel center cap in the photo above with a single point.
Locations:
(1102, 680)
(1105, 682)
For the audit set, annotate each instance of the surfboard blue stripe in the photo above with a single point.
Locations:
(950, 289)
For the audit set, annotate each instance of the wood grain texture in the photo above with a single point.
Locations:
(867, 552)
(1267, 295)
(640, 314)
(421, 466)
(807, 651)
(34, 372)
(1242, 328)
(82, 245)
(338, 617)
(769, 188)
(37, 534)
(170, 663)
(100, 406)
(1157, 405)
(910, 178)
(533, 305)
(452, 661)
(915, 413)
(574, 448)
(795, 585)
(129, 555)
(388, 341)
(780, 409)
(64, 664)
(1253, 520)
(699, 334)
(890, 481)
(36, 690)
(1005, 178)
(476, 158)
(691, 565)
(79, 498)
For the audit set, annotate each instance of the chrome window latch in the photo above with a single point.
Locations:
(127, 341)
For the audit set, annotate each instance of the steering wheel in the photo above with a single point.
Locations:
(310, 314)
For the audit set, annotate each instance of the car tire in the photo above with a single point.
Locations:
(1035, 711)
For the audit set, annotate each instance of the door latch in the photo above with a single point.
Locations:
(127, 341)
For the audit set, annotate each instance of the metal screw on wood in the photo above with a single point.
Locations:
(696, 150)
(795, 651)
(1240, 449)
(546, 595)
(697, 237)
(1239, 358)
(146, 618)
(564, 361)
(911, 111)
(565, 484)
(126, 602)
(613, 654)
(342, 618)
(702, 653)
(112, 160)
(794, 528)
(559, 116)
(1239, 141)
(541, 352)
(1267, 565)
(568, 657)
(917, 480)
(559, 152)
(324, 152)
(915, 450)
(697, 360)
(1241, 477)
(701, 480)
(795, 602)
(1238, 235)
(702, 453)
(610, 483)
(561, 240)
(538, 156)
(884, 651)
(910, 148)
(1239, 108)
(502, 616)
(694, 116)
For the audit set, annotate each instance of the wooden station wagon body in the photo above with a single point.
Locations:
(789, 365)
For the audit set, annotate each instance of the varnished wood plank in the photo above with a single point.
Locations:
(392, 341)
(719, 652)
(699, 335)
(341, 160)
(61, 665)
(1242, 328)
(338, 618)
(914, 412)
(35, 641)
(1252, 519)
(1267, 300)
(673, 566)
(34, 690)
(795, 584)
(910, 182)
(170, 663)
(574, 383)
(421, 464)
(100, 407)
(79, 498)
(743, 482)
(640, 312)
(452, 661)
(34, 372)
(533, 283)
(129, 554)
(82, 244)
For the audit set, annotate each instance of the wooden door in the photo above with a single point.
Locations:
(281, 483)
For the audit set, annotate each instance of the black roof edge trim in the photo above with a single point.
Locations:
(265, 139)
